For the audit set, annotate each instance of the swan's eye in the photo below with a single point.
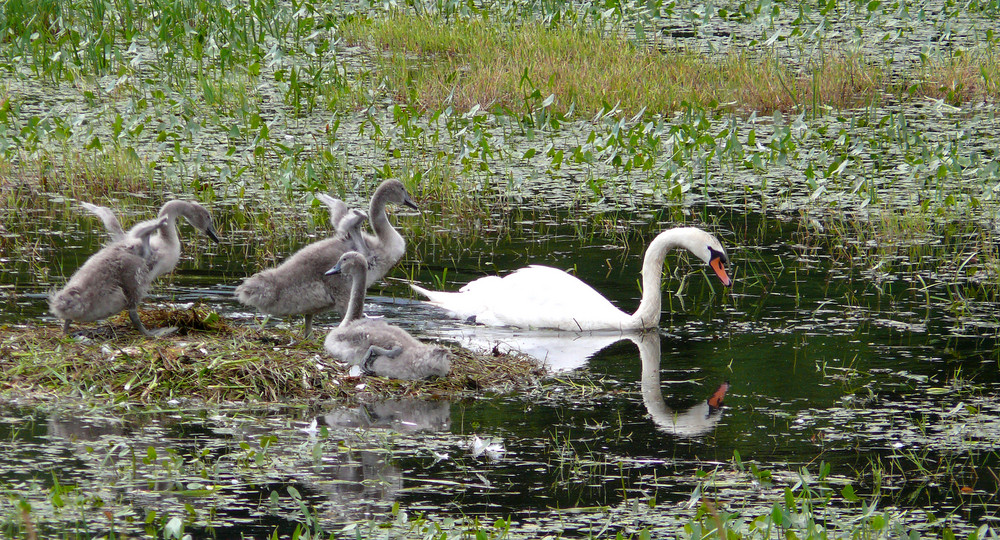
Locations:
(716, 254)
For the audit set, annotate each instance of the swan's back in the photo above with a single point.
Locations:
(532, 297)
(297, 286)
(300, 285)
(98, 289)
(111, 280)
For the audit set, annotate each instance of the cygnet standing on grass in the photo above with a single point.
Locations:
(300, 286)
(386, 247)
(378, 347)
(113, 279)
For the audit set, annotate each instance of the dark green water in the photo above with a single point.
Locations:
(824, 365)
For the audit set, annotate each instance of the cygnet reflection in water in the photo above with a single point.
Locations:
(406, 415)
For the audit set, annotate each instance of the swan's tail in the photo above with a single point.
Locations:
(434, 297)
(459, 304)
(473, 302)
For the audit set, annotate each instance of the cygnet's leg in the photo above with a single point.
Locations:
(374, 352)
(309, 326)
(66, 326)
(133, 314)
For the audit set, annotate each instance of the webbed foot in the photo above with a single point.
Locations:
(374, 352)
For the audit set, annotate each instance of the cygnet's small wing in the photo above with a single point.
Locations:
(350, 228)
(107, 217)
(141, 233)
(338, 210)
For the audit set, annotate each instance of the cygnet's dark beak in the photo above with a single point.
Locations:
(334, 270)
(409, 202)
(210, 231)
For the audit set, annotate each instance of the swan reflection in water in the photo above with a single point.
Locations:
(565, 351)
(692, 422)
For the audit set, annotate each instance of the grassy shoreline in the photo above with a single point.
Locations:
(210, 360)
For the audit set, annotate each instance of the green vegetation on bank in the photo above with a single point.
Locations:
(435, 61)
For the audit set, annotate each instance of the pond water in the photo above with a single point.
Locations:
(821, 366)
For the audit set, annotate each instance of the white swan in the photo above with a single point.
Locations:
(378, 347)
(544, 297)
(113, 279)
(386, 247)
(165, 245)
(299, 285)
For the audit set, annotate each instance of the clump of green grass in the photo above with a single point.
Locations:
(211, 360)
(86, 176)
(481, 62)
(958, 78)
(477, 62)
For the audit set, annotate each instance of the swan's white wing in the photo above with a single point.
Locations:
(545, 297)
(532, 297)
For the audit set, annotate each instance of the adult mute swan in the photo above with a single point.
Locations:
(113, 279)
(378, 347)
(544, 297)
(165, 245)
(386, 247)
(299, 286)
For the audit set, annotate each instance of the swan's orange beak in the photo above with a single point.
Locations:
(720, 270)
(715, 401)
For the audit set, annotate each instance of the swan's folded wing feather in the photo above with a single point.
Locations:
(544, 297)
(532, 297)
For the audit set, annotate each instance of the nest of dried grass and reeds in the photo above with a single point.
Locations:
(211, 360)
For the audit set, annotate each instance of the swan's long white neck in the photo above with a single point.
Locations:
(171, 211)
(648, 314)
